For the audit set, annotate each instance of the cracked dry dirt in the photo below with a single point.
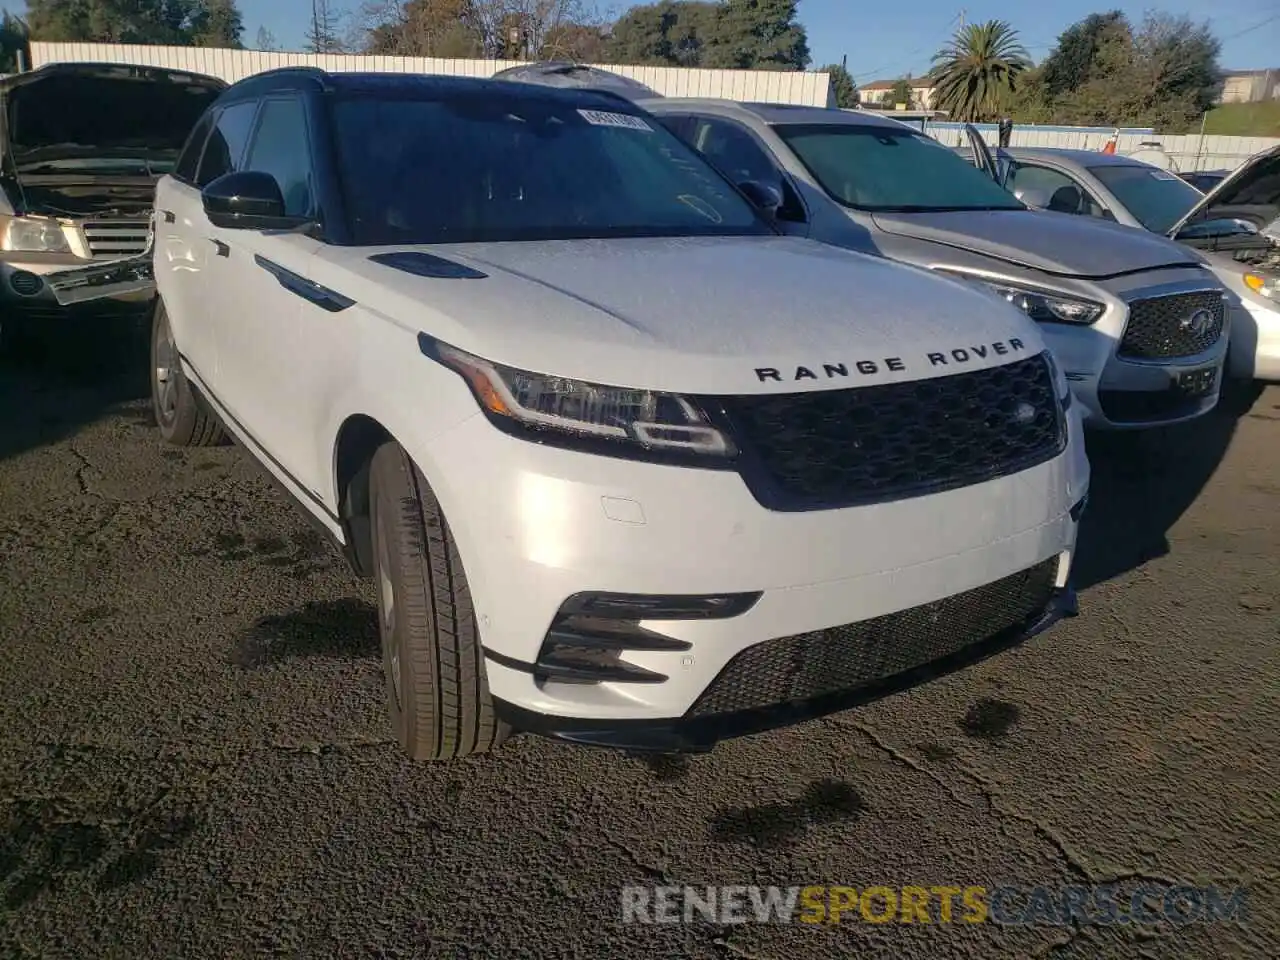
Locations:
(194, 760)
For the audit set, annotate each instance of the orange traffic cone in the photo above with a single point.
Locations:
(1110, 146)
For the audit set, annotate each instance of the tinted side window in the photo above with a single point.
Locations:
(281, 147)
(734, 151)
(226, 144)
(1052, 189)
(189, 161)
(741, 157)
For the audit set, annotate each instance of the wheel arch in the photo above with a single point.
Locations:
(358, 438)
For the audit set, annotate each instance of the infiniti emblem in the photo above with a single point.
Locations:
(1198, 324)
(1024, 413)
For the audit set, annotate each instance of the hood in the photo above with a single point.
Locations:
(691, 315)
(1059, 244)
(85, 120)
(1251, 193)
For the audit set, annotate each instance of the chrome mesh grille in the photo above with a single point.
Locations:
(1161, 328)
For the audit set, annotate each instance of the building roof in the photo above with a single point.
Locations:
(916, 83)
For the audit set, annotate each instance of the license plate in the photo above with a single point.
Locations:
(1198, 383)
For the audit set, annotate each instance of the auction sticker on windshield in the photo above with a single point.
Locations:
(603, 118)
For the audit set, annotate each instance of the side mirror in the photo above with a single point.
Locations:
(764, 197)
(247, 200)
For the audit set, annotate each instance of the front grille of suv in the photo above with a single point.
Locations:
(833, 448)
(1162, 328)
(116, 239)
(803, 667)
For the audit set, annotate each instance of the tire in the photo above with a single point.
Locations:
(182, 415)
(436, 688)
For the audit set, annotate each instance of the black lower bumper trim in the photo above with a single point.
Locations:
(698, 735)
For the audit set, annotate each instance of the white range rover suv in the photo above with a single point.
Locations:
(627, 466)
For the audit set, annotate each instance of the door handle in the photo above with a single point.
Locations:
(168, 216)
(220, 248)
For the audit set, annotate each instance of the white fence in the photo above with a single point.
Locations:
(1188, 152)
(1191, 152)
(231, 65)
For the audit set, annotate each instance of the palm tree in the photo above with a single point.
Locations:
(975, 73)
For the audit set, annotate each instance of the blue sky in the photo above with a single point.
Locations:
(886, 40)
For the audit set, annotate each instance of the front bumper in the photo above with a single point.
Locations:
(49, 284)
(697, 734)
(537, 525)
(1121, 394)
(1255, 342)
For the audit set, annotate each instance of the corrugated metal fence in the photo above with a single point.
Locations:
(1191, 152)
(1188, 152)
(232, 65)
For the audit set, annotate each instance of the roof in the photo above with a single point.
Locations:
(563, 73)
(915, 83)
(777, 113)
(422, 86)
(1084, 158)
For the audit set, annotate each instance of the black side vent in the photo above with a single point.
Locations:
(426, 265)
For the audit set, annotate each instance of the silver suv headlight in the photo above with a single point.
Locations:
(32, 235)
(1043, 306)
(551, 405)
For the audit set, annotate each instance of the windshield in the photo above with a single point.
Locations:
(103, 121)
(887, 170)
(496, 167)
(1156, 199)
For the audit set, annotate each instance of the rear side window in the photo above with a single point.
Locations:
(189, 161)
(282, 148)
(223, 152)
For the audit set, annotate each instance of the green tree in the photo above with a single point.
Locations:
(670, 33)
(169, 22)
(901, 92)
(842, 85)
(1073, 60)
(975, 74)
(217, 23)
(13, 38)
(757, 35)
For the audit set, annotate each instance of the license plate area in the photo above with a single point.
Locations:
(1197, 383)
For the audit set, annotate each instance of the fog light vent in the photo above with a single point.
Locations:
(26, 284)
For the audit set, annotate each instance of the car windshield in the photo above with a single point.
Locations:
(1155, 198)
(496, 167)
(884, 169)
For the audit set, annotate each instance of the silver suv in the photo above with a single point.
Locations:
(1137, 321)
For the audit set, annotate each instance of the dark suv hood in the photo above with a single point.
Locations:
(1055, 243)
(69, 118)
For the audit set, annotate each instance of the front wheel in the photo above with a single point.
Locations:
(436, 687)
(182, 415)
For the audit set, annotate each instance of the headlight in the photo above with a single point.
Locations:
(1263, 286)
(33, 235)
(641, 418)
(1039, 305)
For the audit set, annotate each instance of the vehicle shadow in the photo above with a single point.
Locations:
(1142, 483)
(50, 390)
